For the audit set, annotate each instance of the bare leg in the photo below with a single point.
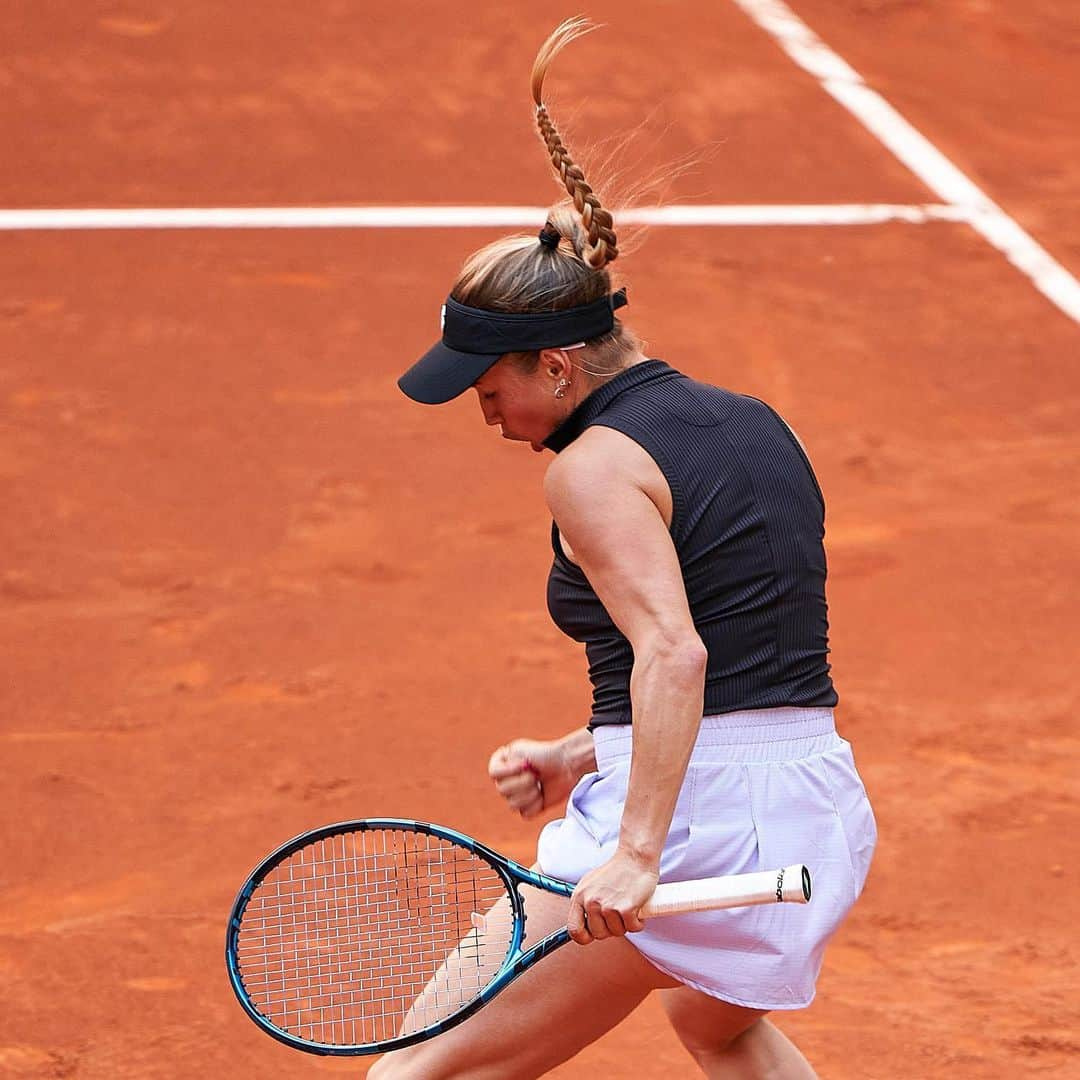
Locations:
(554, 1010)
(731, 1042)
(762, 1052)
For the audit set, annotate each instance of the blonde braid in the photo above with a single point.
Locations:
(601, 247)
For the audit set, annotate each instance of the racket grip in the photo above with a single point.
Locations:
(790, 884)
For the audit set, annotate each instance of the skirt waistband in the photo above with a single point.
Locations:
(750, 735)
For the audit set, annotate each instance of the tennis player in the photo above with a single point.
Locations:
(688, 559)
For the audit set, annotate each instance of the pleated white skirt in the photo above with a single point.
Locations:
(765, 788)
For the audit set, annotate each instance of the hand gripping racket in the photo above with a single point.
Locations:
(367, 936)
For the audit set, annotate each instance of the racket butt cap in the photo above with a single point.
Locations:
(793, 884)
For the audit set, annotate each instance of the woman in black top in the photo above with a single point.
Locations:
(688, 559)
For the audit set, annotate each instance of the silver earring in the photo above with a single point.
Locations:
(560, 390)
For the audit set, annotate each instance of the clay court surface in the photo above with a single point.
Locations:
(247, 588)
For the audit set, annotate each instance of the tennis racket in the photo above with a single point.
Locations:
(368, 936)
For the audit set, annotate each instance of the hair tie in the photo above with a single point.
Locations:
(550, 236)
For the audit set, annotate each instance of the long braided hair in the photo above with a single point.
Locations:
(601, 247)
(520, 274)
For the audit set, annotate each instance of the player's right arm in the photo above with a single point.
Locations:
(533, 774)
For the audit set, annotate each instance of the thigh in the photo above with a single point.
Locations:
(705, 1024)
(555, 1009)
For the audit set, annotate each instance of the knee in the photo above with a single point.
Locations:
(709, 1048)
(708, 1027)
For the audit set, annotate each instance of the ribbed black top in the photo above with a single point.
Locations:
(748, 524)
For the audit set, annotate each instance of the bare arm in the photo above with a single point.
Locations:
(624, 548)
(579, 752)
(533, 775)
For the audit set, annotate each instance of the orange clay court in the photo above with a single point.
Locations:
(247, 588)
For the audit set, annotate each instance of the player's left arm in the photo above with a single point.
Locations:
(620, 540)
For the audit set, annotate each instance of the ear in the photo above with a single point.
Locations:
(556, 363)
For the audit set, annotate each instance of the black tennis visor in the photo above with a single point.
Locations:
(473, 340)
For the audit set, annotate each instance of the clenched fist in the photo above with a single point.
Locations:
(532, 774)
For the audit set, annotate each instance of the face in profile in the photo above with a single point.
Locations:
(523, 405)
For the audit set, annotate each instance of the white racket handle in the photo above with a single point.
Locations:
(791, 884)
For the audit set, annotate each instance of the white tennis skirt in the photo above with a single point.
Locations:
(765, 788)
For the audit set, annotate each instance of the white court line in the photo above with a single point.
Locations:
(426, 217)
(916, 152)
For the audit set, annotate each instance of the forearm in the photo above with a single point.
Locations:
(667, 690)
(579, 752)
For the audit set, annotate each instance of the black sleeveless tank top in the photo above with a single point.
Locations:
(748, 524)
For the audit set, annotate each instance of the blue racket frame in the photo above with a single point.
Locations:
(515, 963)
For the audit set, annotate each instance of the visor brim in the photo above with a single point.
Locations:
(442, 374)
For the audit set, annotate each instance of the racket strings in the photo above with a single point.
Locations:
(364, 936)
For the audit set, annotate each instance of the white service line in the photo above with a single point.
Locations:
(924, 159)
(426, 217)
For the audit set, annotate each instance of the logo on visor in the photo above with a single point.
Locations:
(442, 318)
